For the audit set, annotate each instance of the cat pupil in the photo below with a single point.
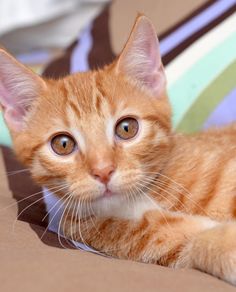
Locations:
(64, 144)
(126, 128)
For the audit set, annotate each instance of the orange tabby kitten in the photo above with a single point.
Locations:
(134, 189)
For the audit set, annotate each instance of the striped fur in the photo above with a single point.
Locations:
(173, 199)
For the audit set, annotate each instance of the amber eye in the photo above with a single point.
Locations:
(63, 144)
(127, 128)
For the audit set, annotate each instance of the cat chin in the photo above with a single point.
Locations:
(121, 206)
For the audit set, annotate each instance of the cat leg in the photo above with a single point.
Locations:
(213, 251)
(165, 238)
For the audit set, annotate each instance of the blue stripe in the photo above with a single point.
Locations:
(194, 25)
(79, 59)
(225, 112)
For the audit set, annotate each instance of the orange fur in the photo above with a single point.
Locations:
(173, 194)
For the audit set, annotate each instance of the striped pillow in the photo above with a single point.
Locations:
(199, 54)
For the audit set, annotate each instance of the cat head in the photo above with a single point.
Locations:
(101, 133)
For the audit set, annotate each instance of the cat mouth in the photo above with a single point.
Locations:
(107, 193)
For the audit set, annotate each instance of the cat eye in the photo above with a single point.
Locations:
(63, 144)
(127, 128)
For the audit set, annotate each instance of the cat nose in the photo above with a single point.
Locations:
(103, 174)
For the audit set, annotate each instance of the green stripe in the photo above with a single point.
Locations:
(208, 101)
(184, 91)
(5, 138)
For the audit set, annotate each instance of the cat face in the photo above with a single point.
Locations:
(102, 133)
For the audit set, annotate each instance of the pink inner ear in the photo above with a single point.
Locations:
(13, 113)
(153, 75)
(141, 58)
(18, 88)
(4, 99)
(148, 70)
(152, 78)
(13, 118)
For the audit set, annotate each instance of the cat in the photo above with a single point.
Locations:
(131, 187)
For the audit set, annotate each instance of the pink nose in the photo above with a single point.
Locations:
(103, 174)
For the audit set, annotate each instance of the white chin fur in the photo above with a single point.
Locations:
(114, 206)
(122, 207)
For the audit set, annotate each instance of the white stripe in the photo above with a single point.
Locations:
(200, 48)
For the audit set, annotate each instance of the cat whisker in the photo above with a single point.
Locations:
(14, 172)
(190, 199)
(28, 197)
(173, 189)
(71, 209)
(172, 195)
(55, 191)
(187, 193)
(50, 210)
(92, 213)
(73, 221)
(173, 181)
(159, 209)
(130, 195)
(17, 217)
(88, 218)
(84, 204)
(79, 228)
(50, 222)
(89, 214)
(151, 183)
(59, 230)
(146, 187)
(74, 217)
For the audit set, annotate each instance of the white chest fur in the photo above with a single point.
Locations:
(121, 207)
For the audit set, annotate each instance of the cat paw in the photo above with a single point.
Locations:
(214, 251)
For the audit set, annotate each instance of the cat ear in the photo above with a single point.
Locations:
(140, 59)
(18, 88)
